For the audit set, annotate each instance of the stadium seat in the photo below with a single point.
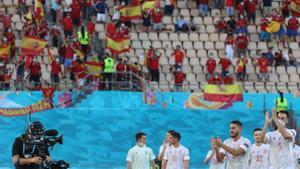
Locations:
(134, 36)
(192, 5)
(194, 12)
(193, 37)
(188, 45)
(167, 20)
(146, 44)
(215, 12)
(204, 37)
(183, 37)
(181, 4)
(210, 29)
(198, 21)
(143, 36)
(153, 36)
(198, 45)
(197, 69)
(283, 78)
(202, 54)
(191, 54)
(214, 37)
(209, 45)
(136, 44)
(173, 36)
(194, 61)
(281, 70)
(190, 77)
(7, 2)
(156, 44)
(294, 78)
(163, 36)
(208, 20)
(185, 12)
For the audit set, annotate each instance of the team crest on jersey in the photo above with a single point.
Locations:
(245, 144)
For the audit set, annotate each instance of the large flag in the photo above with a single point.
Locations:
(226, 93)
(128, 13)
(118, 45)
(273, 27)
(150, 4)
(39, 12)
(4, 51)
(93, 68)
(32, 46)
(295, 7)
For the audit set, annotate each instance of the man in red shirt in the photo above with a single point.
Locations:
(55, 72)
(6, 20)
(229, 7)
(75, 13)
(241, 44)
(292, 28)
(221, 25)
(35, 72)
(263, 69)
(251, 10)
(242, 24)
(211, 67)
(264, 35)
(179, 78)
(69, 52)
(225, 63)
(157, 20)
(241, 68)
(48, 93)
(120, 68)
(241, 8)
(80, 73)
(179, 56)
(215, 79)
(154, 67)
(67, 23)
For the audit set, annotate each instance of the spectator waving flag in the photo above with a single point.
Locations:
(4, 51)
(132, 12)
(39, 12)
(32, 45)
(295, 7)
(150, 4)
(50, 55)
(118, 45)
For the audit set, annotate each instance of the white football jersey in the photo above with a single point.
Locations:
(296, 151)
(140, 157)
(259, 156)
(281, 150)
(176, 156)
(242, 161)
(213, 163)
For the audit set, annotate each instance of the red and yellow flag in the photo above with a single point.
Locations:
(150, 4)
(4, 51)
(39, 12)
(227, 93)
(295, 7)
(50, 55)
(118, 45)
(32, 45)
(93, 68)
(128, 13)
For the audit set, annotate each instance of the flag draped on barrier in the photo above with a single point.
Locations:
(226, 93)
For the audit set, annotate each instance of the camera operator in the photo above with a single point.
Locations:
(26, 155)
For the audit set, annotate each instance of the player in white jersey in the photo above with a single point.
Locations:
(259, 152)
(140, 156)
(296, 151)
(280, 141)
(164, 146)
(235, 149)
(176, 156)
(212, 159)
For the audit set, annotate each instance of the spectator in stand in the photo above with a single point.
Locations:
(101, 9)
(157, 20)
(225, 63)
(83, 39)
(203, 7)
(191, 24)
(221, 25)
(7, 78)
(215, 79)
(48, 92)
(67, 24)
(279, 60)
(55, 35)
(263, 64)
(20, 73)
(91, 31)
(241, 8)
(267, 7)
(69, 53)
(150, 54)
(147, 19)
(210, 66)
(231, 24)
(227, 80)
(241, 25)
(109, 69)
(179, 78)
(169, 7)
(6, 20)
(229, 46)
(53, 10)
(269, 56)
(80, 74)
(87, 9)
(289, 58)
(280, 34)
(75, 13)
(292, 28)
(241, 68)
(241, 44)
(264, 35)
(181, 24)
(154, 67)
(229, 7)
(21, 7)
(285, 9)
(35, 72)
(179, 55)
(251, 10)
(56, 71)
(120, 68)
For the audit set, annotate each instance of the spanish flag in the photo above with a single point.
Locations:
(226, 93)
(150, 4)
(128, 13)
(4, 51)
(118, 45)
(295, 7)
(39, 12)
(32, 45)
(93, 68)
(50, 55)
(273, 27)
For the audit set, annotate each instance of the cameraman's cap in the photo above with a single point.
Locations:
(36, 128)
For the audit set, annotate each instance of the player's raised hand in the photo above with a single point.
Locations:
(267, 118)
(274, 113)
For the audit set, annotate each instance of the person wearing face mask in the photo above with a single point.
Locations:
(35, 72)
(281, 140)
(140, 156)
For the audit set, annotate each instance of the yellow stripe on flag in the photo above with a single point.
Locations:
(118, 45)
(148, 5)
(4, 51)
(50, 55)
(227, 90)
(39, 9)
(33, 46)
(93, 68)
(130, 12)
(273, 27)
